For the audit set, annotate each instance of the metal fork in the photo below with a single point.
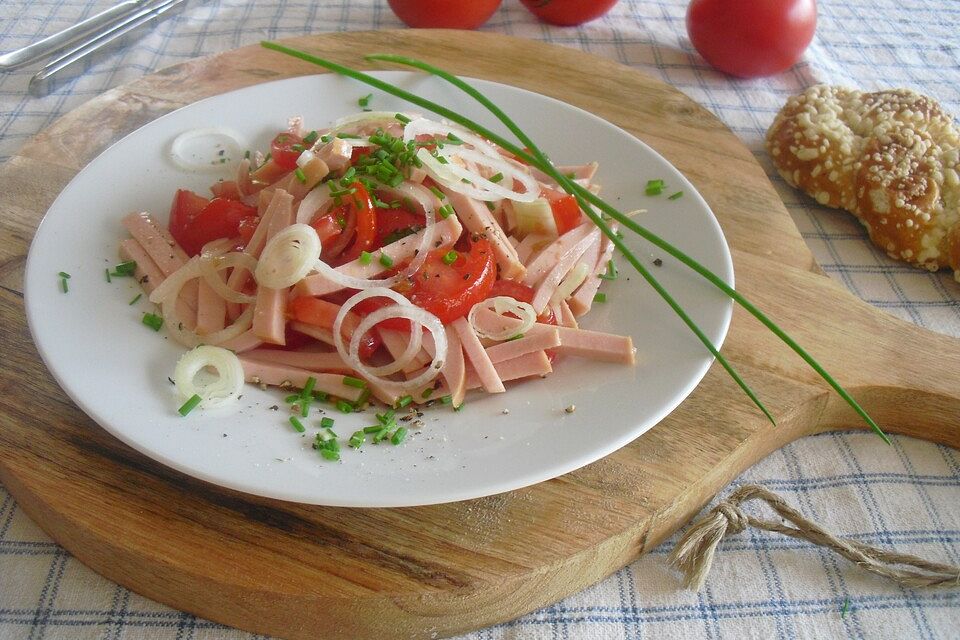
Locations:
(51, 44)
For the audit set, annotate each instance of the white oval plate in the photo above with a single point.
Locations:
(116, 369)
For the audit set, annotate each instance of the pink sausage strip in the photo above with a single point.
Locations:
(278, 375)
(269, 319)
(478, 357)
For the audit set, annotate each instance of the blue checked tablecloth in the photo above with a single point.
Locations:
(763, 586)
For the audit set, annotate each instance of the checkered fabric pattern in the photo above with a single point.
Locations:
(762, 585)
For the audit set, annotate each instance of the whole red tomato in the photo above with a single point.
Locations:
(444, 14)
(568, 13)
(751, 39)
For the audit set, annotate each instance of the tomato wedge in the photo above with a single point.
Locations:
(566, 212)
(195, 221)
(285, 149)
(393, 224)
(450, 282)
(359, 225)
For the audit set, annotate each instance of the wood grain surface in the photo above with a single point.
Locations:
(315, 572)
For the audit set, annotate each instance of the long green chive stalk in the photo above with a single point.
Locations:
(584, 196)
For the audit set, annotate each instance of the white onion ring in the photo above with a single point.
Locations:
(417, 316)
(166, 295)
(229, 142)
(212, 265)
(501, 305)
(425, 126)
(413, 346)
(315, 201)
(224, 390)
(288, 257)
(452, 176)
(427, 201)
(403, 309)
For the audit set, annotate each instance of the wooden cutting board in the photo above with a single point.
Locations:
(314, 572)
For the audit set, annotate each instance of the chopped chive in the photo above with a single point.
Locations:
(301, 176)
(344, 407)
(366, 257)
(326, 422)
(446, 211)
(447, 399)
(402, 118)
(357, 383)
(134, 301)
(845, 607)
(325, 138)
(654, 187)
(329, 454)
(512, 338)
(427, 393)
(398, 435)
(453, 139)
(675, 196)
(305, 407)
(357, 439)
(107, 272)
(611, 272)
(365, 100)
(295, 421)
(440, 195)
(63, 285)
(297, 147)
(386, 417)
(348, 136)
(125, 269)
(380, 435)
(600, 297)
(386, 260)
(292, 398)
(490, 206)
(64, 274)
(404, 401)
(374, 428)
(450, 257)
(308, 387)
(311, 137)
(189, 405)
(153, 321)
(496, 178)
(459, 407)
(320, 396)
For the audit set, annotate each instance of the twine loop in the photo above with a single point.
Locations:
(693, 555)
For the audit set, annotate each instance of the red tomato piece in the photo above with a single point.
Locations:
(195, 221)
(521, 293)
(395, 223)
(285, 149)
(751, 39)
(568, 13)
(444, 14)
(449, 291)
(359, 227)
(246, 228)
(566, 212)
(320, 313)
(185, 207)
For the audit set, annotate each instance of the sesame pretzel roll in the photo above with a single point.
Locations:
(891, 158)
